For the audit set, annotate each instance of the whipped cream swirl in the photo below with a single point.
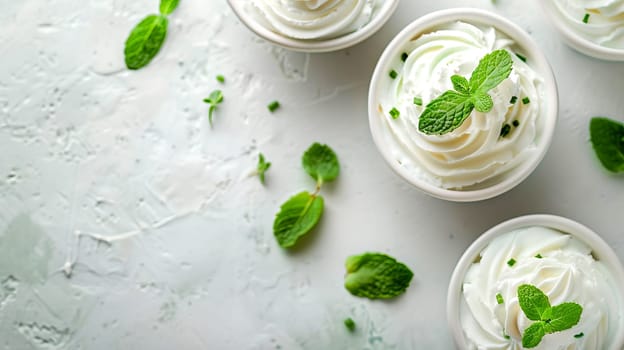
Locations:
(314, 19)
(475, 152)
(566, 272)
(605, 24)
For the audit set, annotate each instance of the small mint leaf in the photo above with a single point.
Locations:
(460, 84)
(533, 335)
(297, 217)
(533, 302)
(262, 168)
(483, 102)
(168, 6)
(491, 71)
(145, 41)
(376, 276)
(565, 316)
(213, 100)
(607, 138)
(321, 163)
(445, 113)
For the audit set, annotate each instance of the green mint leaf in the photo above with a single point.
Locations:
(564, 316)
(263, 166)
(213, 100)
(483, 102)
(321, 163)
(607, 138)
(297, 217)
(168, 6)
(533, 335)
(491, 71)
(445, 113)
(460, 84)
(533, 302)
(376, 276)
(350, 324)
(145, 41)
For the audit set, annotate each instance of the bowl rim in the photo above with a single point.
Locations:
(571, 227)
(521, 171)
(315, 46)
(577, 41)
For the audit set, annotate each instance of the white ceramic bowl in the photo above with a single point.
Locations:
(322, 45)
(539, 63)
(600, 250)
(576, 40)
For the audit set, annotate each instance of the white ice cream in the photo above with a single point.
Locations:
(605, 25)
(314, 19)
(567, 272)
(474, 152)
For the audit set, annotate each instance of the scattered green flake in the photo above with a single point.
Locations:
(350, 324)
(393, 74)
(499, 299)
(580, 335)
(262, 168)
(404, 56)
(418, 101)
(586, 18)
(273, 106)
(526, 100)
(515, 123)
(505, 130)
(513, 100)
(221, 78)
(539, 256)
(521, 57)
(512, 261)
(394, 113)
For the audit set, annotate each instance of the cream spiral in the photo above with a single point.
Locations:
(475, 152)
(566, 272)
(605, 21)
(314, 19)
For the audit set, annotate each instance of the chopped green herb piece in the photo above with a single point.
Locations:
(580, 335)
(221, 78)
(539, 256)
(499, 299)
(215, 98)
(607, 138)
(273, 106)
(418, 101)
(394, 113)
(522, 58)
(263, 166)
(404, 56)
(350, 324)
(393, 74)
(586, 18)
(511, 261)
(506, 336)
(505, 130)
(513, 100)
(526, 100)
(515, 123)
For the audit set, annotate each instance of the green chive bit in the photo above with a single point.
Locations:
(499, 299)
(404, 56)
(506, 336)
(580, 335)
(511, 261)
(586, 18)
(539, 256)
(522, 58)
(350, 324)
(515, 123)
(273, 106)
(394, 113)
(526, 100)
(504, 132)
(221, 78)
(513, 100)
(418, 101)
(393, 74)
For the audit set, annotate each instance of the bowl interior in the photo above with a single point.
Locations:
(325, 45)
(600, 251)
(425, 24)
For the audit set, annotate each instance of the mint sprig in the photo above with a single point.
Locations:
(147, 37)
(300, 214)
(536, 306)
(448, 111)
(376, 276)
(607, 138)
(214, 99)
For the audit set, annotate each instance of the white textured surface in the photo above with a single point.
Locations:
(168, 240)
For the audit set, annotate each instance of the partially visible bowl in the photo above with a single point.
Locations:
(600, 251)
(577, 34)
(253, 20)
(392, 150)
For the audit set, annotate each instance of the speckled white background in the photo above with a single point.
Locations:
(127, 222)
